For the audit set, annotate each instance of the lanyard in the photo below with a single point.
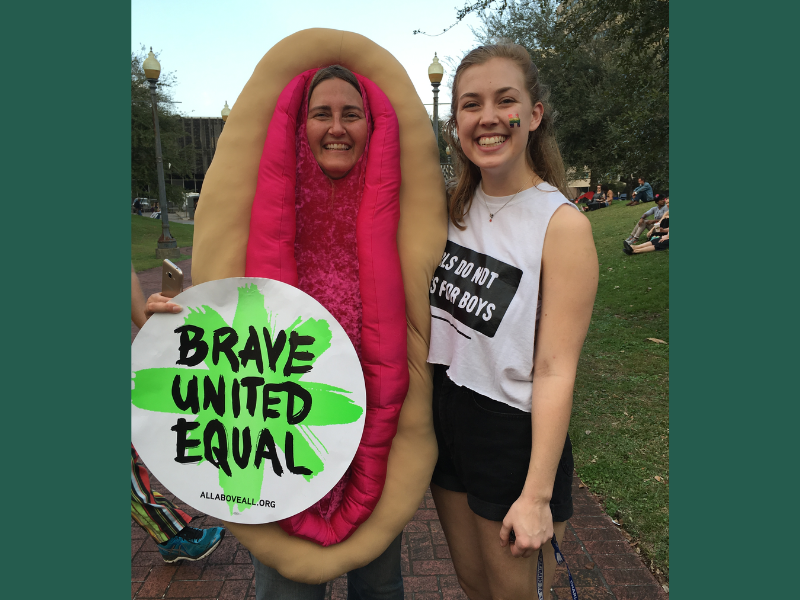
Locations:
(540, 571)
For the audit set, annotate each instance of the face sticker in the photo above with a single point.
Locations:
(513, 120)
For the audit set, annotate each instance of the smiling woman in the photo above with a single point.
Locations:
(336, 125)
(505, 341)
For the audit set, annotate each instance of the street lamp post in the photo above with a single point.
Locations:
(167, 245)
(225, 112)
(435, 73)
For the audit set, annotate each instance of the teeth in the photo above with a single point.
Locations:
(492, 141)
(336, 147)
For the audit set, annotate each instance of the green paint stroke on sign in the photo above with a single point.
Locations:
(250, 398)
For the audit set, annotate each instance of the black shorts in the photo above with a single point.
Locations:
(661, 244)
(485, 451)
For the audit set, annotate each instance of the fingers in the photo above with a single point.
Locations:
(527, 553)
(160, 304)
(517, 551)
(168, 307)
(525, 546)
(505, 530)
(520, 545)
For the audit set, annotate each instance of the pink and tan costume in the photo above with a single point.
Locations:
(365, 246)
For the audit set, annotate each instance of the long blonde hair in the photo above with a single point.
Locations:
(542, 153)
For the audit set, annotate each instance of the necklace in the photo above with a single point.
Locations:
(492, 214)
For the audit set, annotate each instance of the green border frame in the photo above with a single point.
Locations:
(733, 409)
(67, 253)
(732, 102)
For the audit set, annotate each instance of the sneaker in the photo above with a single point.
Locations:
(191, 544)
(626, 248)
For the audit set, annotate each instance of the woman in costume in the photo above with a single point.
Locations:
(511, 303)
(305, 188)
(333, 128)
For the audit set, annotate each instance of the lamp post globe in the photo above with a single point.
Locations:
(167, 245)
(435, 74)
(225, 112)
(151, 66)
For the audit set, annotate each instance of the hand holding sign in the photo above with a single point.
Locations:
(250, 406)
(157, 303)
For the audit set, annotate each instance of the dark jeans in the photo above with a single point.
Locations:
(379, 580)
(641, 197)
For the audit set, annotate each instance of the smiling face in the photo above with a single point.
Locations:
(490, 97)
(336, 127)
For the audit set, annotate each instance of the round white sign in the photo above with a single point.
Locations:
(249, 404)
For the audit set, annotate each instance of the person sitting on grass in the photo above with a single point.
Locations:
(657, 243)
(643, 193)
(585, 197)
(655, 214)
(661, 228)
(599, 200)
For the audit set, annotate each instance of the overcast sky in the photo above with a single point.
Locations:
(213, 47)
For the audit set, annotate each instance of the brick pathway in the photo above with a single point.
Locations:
(604, 565)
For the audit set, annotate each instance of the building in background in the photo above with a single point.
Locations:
(202, 133)
(578, 182)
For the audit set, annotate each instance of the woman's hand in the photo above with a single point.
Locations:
(160, 304)
(532, 523)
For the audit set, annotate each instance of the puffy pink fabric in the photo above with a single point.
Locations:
(303, 221)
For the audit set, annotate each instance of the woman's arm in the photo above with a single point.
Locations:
(137, 301)
(658, 227)
(141, 310)
(569, 283)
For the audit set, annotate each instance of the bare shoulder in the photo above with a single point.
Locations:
(569, 249)
(568, 225)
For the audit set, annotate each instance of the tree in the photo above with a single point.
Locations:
(607, 65)
(442, 141)
(639, 29)
(176, 148)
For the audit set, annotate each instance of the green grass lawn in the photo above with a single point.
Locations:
(620, 417)
(144, 237)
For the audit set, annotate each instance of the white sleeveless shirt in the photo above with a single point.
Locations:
(485, 294)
